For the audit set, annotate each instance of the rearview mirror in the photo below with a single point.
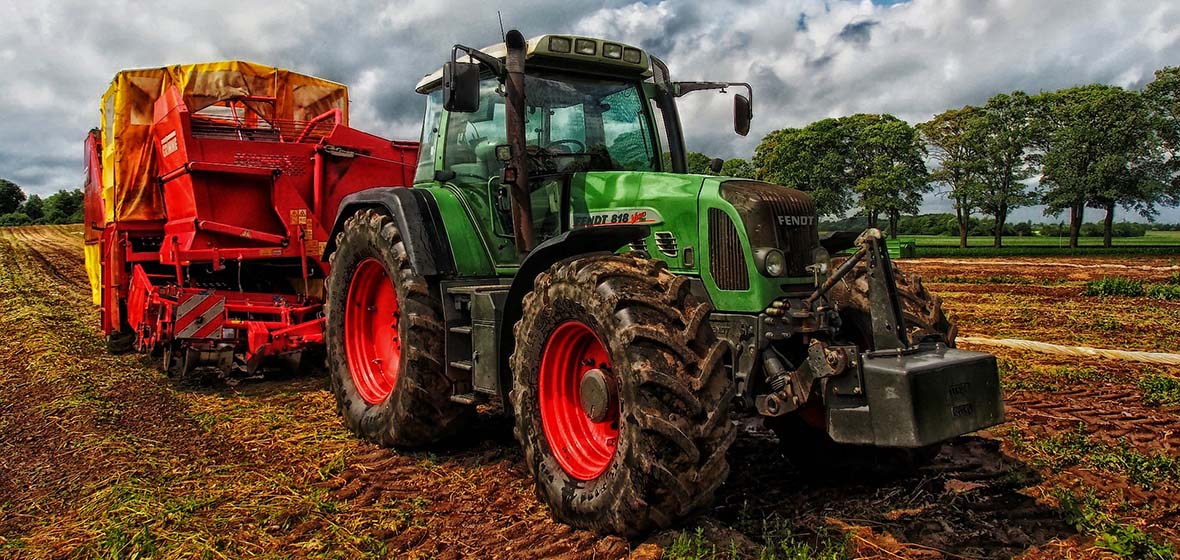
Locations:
(461, 87)
(743, 113)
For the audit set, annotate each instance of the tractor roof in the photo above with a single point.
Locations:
(568, 52)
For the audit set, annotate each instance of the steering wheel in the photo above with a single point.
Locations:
(567, 142)
(475, 135)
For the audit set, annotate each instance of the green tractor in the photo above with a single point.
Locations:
(555, 262)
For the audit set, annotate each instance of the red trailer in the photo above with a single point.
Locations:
(211, 191)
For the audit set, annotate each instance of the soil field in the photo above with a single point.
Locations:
(102, 456)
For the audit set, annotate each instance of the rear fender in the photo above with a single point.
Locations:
(416, 215)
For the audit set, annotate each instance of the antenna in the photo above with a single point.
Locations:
(501, 18)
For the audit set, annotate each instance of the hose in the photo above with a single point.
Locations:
(1159, 358)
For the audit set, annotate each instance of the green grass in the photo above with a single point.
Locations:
(1123, 540)
(1128, 287)
(985, 252)
(1114, 286)
(1154, 238)
(1169, 292)
(1160, 389)
(780, 541)
(1065, 450)
(1155, 243)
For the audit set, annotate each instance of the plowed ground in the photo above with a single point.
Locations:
(103, 456)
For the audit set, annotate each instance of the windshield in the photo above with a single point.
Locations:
(571, 124)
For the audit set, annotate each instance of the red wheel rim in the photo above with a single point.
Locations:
(371, 341)
(584, 448)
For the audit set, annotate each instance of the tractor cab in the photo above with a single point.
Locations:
(595, 112)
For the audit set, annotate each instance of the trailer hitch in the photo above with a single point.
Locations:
(794, 389)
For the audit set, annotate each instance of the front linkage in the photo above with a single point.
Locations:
(896, 392)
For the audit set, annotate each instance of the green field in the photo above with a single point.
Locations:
(1153, 238)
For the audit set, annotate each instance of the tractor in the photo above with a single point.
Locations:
(554, 261)
(541, 253)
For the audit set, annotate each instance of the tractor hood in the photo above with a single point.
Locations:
(666, 202)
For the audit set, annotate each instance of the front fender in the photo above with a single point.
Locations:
(576, 242)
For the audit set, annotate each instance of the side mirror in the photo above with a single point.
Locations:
(743, 113)
(461, 87)
(716, 164)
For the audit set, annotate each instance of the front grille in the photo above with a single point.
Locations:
(777, 216)
(727, 260)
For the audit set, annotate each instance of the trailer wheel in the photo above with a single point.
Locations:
(384, 339)
(620, 394)
(120, 342)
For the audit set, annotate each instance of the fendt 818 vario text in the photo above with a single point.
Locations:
(541, 251)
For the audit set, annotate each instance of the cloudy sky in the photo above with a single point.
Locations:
(807, 59)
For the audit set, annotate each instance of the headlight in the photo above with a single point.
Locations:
(772, 261)
(559, 44)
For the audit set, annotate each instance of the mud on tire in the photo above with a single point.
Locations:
(673, 393)
(418, 410)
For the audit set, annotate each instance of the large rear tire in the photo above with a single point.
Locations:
(621, 395)
(384, 339)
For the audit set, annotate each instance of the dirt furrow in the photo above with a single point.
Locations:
(101, 456)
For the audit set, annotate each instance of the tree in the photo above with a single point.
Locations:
(738, 167)
(870, 162)
(34, 207)
(953, 140)
(895, 177)
(1099, 151)
(812, 159)
(1005, 136)
(1163, 99)
(14, 219)
(698, 163)
(64, 207)
(11, 196)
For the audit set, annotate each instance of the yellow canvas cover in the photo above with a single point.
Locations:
(128, 158)
(93, 254)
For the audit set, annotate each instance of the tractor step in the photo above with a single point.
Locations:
(465, 398)
(464, 365)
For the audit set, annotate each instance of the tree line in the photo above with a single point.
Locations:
(16, 209)
(1096, 147)
(948, 225)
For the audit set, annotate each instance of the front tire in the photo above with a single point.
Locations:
(384, 339)
(921, 310)
(620, 395)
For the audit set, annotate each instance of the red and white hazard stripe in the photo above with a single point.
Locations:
(200, 316)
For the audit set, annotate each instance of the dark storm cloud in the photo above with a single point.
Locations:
(807, 59)
(858, 33)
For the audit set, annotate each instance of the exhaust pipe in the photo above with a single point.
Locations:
(522, 208)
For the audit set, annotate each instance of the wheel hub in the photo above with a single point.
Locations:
(578, 401)
(371, 339)
(597, 394)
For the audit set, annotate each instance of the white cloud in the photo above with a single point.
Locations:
(807, 59)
